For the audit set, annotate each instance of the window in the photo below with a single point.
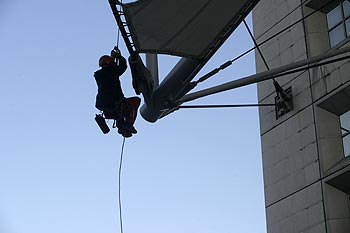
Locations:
(338, 20)
(345, 132)
(333, 126)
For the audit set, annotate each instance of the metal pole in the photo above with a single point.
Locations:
(152, 65)
(262, 76)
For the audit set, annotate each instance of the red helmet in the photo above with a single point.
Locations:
(105, 60)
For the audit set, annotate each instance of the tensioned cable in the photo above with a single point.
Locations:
(218, 106)
(347, 132)
(256, 44)
(279, 21)
(230, 62)
(258, 48)
(227, 106)
(119, 186)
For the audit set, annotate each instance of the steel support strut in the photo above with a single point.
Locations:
(277, 72)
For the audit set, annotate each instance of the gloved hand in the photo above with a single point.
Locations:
(115, 53)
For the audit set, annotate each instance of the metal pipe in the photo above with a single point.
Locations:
(171, 87)
(152, 66)
(261, 76)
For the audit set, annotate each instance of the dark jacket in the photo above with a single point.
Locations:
(109, 90)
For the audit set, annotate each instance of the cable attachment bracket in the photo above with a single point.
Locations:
(283, 100)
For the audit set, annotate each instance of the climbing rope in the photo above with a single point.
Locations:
(118, 35)
(119, 186)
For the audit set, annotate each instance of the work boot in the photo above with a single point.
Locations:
(126, 134)
(133, 130)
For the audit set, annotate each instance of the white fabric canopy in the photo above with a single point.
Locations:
(187, 28)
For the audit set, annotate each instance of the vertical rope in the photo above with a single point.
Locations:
(118, 35)
(119, 186)
(121, 153)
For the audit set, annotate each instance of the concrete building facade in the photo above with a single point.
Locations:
(305, 152)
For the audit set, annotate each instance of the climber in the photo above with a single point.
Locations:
(110, 95)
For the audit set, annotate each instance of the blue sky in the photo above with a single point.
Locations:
(193, 171)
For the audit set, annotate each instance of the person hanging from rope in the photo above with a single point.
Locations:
(110, 98)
